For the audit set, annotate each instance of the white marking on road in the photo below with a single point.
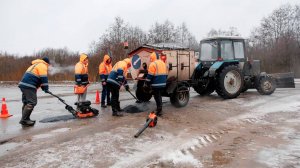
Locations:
(207, 138)
(203, 142)
(214, 137)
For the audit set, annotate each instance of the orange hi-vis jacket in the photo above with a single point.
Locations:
(157, 72)
(81, 71)
(118, 74)
(104, 69)
(36, 75)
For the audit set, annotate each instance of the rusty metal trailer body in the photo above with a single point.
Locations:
(180, 62)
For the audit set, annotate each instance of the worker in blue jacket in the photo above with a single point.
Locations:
(34, 77)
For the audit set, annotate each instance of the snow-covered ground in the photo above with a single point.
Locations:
(249, 131)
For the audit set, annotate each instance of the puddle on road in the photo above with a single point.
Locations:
(142, 107)
(6, 147)
(58, 118)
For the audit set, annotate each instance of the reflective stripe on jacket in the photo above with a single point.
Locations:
(118, 74)
(157, 74)
(81, 74)
(36, 75)
(104, 69)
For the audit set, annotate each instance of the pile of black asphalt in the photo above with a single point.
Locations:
(58, 118)
(137, 108)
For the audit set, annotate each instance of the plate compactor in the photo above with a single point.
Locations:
(84, 109)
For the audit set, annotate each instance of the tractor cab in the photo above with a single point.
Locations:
(222, 49)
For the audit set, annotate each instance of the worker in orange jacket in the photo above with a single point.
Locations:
(116, 79)
(105, 68)
(34, 77)
(156, 79)
(81, 75)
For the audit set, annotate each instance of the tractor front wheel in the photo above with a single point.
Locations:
(266, 85)
(230, 82)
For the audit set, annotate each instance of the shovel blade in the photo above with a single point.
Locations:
(284, 80)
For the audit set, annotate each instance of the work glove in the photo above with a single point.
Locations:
(103, 83)
(127, 88)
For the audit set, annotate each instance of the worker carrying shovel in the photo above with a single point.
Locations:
(116, 79)
(156, 80)
(34, 77)
(81, 77)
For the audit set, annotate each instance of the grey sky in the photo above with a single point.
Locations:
(27, 26)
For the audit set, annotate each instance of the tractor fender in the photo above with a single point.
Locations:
(197, 69)
(220, 64)
(262, 74)
(259, 76)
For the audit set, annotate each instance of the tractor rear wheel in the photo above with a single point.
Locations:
(266, 85)
(230, 82)
(180, 97)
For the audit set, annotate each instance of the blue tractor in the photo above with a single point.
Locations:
(223, 67)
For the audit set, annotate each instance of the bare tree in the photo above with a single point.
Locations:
(276, 40)
(232, 31)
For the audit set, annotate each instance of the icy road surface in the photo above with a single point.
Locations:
(249, 131)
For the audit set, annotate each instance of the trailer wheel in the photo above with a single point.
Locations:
(180, 97)
(266, 85)
(142, 95)
(230, 82)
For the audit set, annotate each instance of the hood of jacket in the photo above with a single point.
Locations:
(39, 61)
(153, 57)
(82, 57)
(105, 58)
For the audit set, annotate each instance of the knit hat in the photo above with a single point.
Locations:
(46, 59)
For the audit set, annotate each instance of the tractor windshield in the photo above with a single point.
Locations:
(209, 51)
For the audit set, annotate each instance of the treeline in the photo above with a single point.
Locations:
(110, 42)
(276, 42)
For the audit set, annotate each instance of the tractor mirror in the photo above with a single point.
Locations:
(170, 66)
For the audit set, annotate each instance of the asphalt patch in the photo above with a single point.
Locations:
(58, 118)
(136, 108)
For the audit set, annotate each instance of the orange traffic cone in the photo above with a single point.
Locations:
(97, 101)
(4, 111)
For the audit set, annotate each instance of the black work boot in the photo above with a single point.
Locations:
(159, 111)
(119, 108)
(28, 118)
(117, 113)
(25, 121)
(103, 105)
